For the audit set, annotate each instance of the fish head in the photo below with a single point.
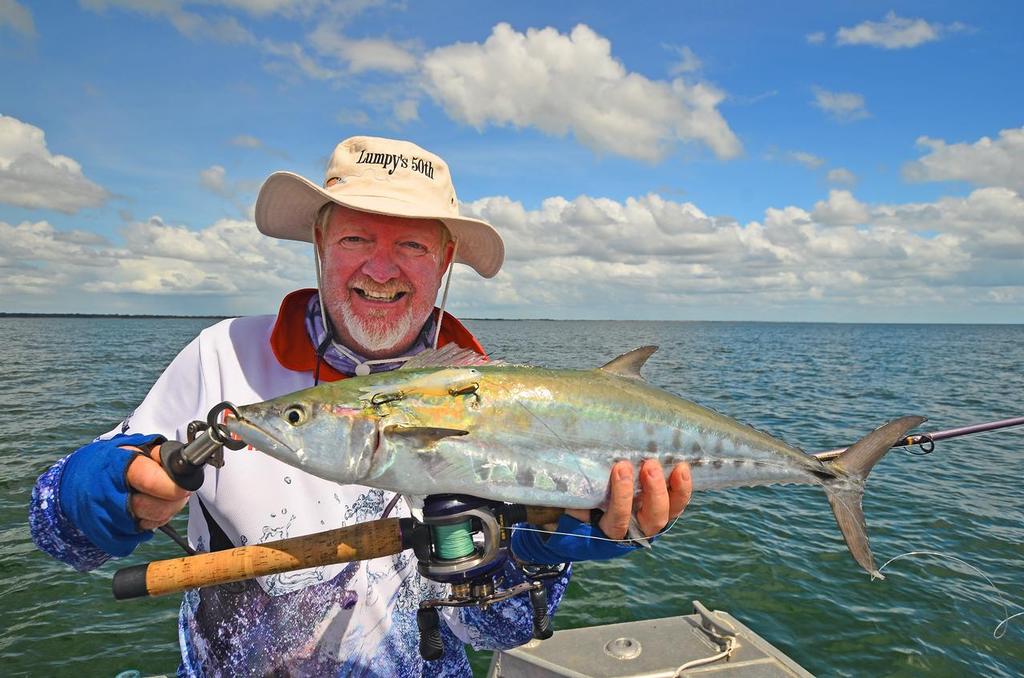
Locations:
(332, 440)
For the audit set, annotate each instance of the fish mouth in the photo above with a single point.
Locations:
(258, 437)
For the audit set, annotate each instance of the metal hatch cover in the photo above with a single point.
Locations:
(654, 648)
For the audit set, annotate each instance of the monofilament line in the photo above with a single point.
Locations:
(1000, 629)
(590, 536)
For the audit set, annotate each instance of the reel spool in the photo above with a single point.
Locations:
(448, 553)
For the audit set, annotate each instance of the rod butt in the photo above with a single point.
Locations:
(130, 582)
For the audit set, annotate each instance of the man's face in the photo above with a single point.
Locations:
(380, 278)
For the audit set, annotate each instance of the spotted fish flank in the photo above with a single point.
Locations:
(568, 427)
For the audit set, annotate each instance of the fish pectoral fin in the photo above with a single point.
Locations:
(423, 436)
(628, 364)
(636, 534)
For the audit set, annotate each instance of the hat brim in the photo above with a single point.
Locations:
(288, 204)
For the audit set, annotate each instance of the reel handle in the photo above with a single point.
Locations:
(541, 619)
(431, 646)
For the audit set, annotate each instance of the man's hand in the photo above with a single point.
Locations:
(659, 502)
(155, 498)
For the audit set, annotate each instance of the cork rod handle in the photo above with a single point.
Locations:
(356, 542)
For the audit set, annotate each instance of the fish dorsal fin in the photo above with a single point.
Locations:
(628, 364)
(449, 355)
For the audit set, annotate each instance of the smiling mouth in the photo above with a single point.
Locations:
(378, 296)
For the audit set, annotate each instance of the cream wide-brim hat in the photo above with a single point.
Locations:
(380, 176)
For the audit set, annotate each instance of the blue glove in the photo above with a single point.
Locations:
(94, 493)
(551, 549)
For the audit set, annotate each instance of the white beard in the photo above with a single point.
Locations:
(376, 335)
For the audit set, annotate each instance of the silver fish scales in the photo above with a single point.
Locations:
(541, 437)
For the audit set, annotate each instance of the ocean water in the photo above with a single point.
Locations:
(772, 557)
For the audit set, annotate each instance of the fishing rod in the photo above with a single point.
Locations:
(927, 441)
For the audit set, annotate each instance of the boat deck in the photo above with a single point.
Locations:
(654, 648)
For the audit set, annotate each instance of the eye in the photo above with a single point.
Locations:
(419, 248)
(295, 414)
(352, 240)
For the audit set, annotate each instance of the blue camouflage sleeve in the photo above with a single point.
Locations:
(52, 532)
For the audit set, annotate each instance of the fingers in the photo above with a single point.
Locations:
(148, 477)
(654, 498)
(660, 501)
(680, 488)
(582, 515)
(615, 521)
(151, 512)
(155, 498)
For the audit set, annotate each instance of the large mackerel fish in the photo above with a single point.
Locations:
(540, 437)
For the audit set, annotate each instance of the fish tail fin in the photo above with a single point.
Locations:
(846, 489)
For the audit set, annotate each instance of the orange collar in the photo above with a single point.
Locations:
(294, 350)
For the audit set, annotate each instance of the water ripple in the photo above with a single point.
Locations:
(770, 556)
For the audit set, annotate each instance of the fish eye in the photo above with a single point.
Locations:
(295, 414)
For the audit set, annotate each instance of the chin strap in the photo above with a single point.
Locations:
(444, 297)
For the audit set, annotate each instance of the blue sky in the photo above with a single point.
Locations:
(732, 160)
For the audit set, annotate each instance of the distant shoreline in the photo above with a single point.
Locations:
(136, 316)
(109, 315)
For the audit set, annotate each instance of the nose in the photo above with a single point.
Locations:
(380, 266)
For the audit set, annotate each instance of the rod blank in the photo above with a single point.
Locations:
(936, 436)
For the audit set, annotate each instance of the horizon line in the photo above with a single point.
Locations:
(172, 316)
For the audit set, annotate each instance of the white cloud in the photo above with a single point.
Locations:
(642, 256)
(841, 209)
(39, 241)
(267, 7)
(688, 61)
(193, 19)
(843, 106)
(816, 38)
(17, 17)
(229, 258)
(31, 176)
(986, 162)
(558, 83)
(190, 24)
(407, 110)
(808, 160)
(366, 54)
(246, 141)
(990, 222)
(213, 179)
(353, 118)
(571, 83)
(648, 254)
(841, 175)
(294, 55)
(895, 32)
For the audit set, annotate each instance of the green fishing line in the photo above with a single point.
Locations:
(453, 541)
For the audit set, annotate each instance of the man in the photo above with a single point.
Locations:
(385, 226)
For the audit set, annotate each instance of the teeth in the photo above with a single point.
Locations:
(378, 296)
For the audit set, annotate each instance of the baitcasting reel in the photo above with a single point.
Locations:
(447, 553)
